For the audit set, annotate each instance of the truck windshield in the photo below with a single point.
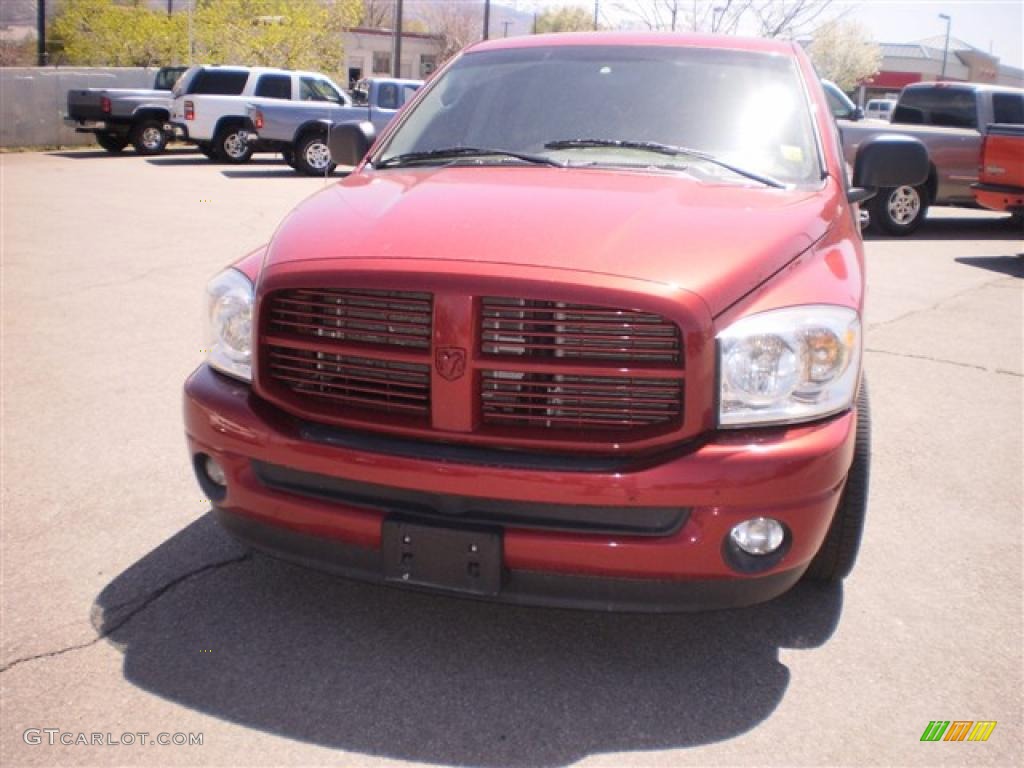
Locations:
(600, 106)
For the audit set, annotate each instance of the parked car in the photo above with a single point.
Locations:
(950, 119)
(840, 105)
(1000, 185)
(531, 349)
(209, 107)
(298, 130)
(120, 115)
(879, 109)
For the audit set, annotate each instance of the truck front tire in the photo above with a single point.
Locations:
(898, 210)
(230, 145)
(112, 142)
(838, 552)
(148, 137)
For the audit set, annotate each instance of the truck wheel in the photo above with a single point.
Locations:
(312, 157)
(112, 142)
(149, 138)
(230, 145)
(898, 210)
(838, 552)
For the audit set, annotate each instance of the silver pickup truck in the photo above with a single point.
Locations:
(298, 130)
(951, 120)
(119, 115)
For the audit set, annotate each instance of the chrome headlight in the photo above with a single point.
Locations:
(229, 298)
(788, 365)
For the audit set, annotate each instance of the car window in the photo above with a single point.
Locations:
(361, 94)
(838, 102)
(167, 77)
(222, 82)
(274, 86)
(948, 107)
(408, 91)
(315, 89)
(1008, 108)
(387, 96)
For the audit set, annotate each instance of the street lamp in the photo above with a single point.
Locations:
(945, 50)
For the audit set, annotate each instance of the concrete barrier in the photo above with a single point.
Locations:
(34, 100)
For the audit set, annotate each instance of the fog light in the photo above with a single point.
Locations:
(758, 536)
(215, 471)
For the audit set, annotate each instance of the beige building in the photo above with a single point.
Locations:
(368, 53)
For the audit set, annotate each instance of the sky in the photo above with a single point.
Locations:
(981, 23)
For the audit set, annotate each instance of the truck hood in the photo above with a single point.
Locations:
(716, 240)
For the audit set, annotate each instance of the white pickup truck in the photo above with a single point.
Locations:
(209, 107)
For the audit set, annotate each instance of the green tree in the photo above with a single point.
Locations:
(842, 52)
(103, 33)
(294, 34)
(567, 19)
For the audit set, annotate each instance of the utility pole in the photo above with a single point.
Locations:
(506, 25)
(396, 47)
(41, 32)
(597, 12)
(487, 19)
(945, 50)
(170, 7)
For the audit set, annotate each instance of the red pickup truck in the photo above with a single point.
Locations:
(1000, 184)
(582, 328)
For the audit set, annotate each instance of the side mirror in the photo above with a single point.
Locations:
(888, 160)
(349, 142)
(858, 114)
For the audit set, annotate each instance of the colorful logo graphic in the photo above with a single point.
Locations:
(958, 730)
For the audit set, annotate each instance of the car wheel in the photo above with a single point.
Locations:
(312, 156)
(898, 210)
(149, 138)
(112, 142)
(230, 145)
(838, 552)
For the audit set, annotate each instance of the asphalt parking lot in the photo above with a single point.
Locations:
(126, 610)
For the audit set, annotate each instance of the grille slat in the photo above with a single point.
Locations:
(563, 401)
(379, 318)
(534, 328)
(352, 383)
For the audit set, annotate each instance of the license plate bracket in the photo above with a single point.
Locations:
(455, 559)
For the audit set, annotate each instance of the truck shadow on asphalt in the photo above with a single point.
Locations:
(936, 227)
(417, 677)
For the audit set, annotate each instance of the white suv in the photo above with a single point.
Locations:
(209, 107)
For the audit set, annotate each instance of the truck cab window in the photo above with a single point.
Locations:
(312, 89)
(388, 98)
(1008, 108)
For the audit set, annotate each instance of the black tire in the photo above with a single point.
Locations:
(149, 137)
(230, 147)
(898, 210)
(312, 157)
(838, 552)
(112, 142)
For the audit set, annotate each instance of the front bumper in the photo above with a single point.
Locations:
(793, 475)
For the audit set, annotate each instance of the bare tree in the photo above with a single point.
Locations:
(456, 24)
(656, 15)
(377, 14)
(788, 18)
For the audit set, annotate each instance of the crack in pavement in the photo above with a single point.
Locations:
(943, 361)
(941, 301)
(147, 601)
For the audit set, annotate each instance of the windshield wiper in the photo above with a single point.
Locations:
(457, 152)
(664, 149)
